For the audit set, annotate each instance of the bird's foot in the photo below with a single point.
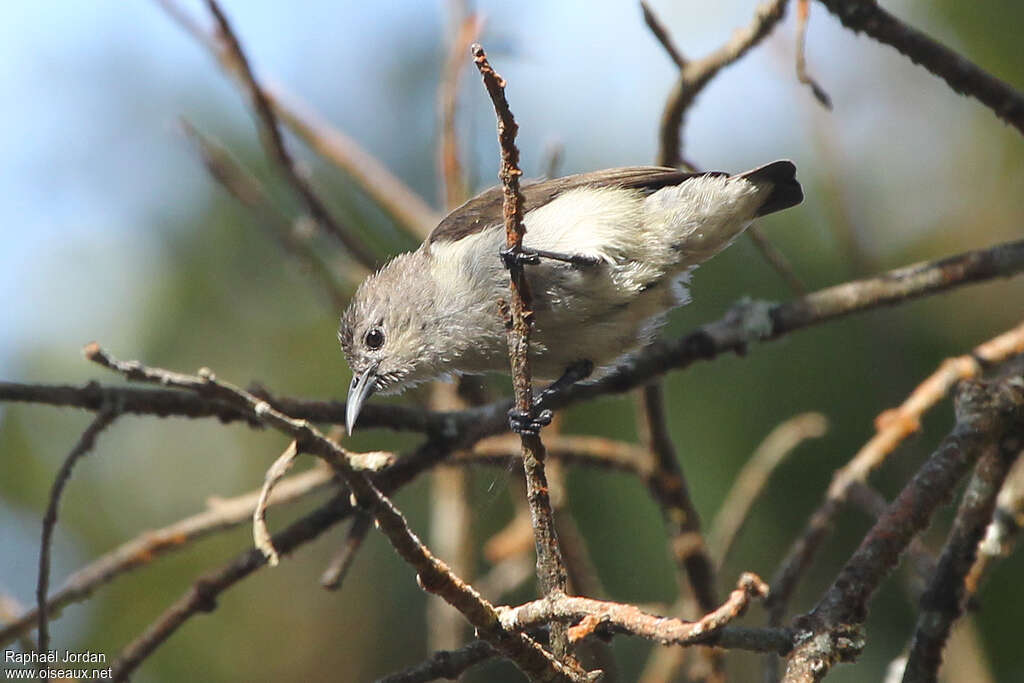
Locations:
(577, 372)
(523, 423)
(514, 257)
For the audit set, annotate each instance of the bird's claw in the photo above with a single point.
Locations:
(525, 424)
(517, 257)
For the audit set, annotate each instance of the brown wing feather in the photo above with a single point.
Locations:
(484, 210)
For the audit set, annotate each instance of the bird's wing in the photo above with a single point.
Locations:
(484, 210)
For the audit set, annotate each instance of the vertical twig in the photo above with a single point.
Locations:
(85, 444)
(550, 567)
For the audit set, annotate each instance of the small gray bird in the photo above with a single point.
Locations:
(610, 252)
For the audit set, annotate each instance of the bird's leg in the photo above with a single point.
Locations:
(524, 256)
(521, 423)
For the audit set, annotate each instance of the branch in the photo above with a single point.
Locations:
(85, 444)
(696, 74)
(962, 75)
(893, 427)
(409, 211)
(591, 616)
(803, 13)
(831, 631)
(946, 596)
(338, 568)
(449, 664)
(433, 574)
(550, 566)
(273, 144)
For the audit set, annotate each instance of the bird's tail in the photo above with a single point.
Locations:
(786, 191)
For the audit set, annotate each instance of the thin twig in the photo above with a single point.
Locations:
(745, 323)
(260, 533)
(661, 33)
(962, 75)
(273, 145)
(696, 74)
(831, 631)
(945, 599)
(591, 616)
(220, 515)
(893, 427)
(447, 664)
(751, 480)
(337, 570)
(550, 566)
(85, 444)
(803, 13)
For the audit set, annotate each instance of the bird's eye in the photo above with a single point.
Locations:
(374, 339)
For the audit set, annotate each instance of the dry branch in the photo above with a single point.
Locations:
(893, 427)
(696, 74)
(592, 616)
(830, 633)
(962, 75)
(85, 444)
(550, 566)
(433, 575)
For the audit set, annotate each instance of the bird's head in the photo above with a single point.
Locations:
(389, 333)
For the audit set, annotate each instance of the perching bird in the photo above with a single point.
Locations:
(631, 236)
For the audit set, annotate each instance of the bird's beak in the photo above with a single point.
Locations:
(362, 386)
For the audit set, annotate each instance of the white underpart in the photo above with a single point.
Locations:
(648, 246)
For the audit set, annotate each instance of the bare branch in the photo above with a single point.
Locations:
(776, 259)
(803, 13)
(698, 73)
(273, 144)
(661, 33)
(985, 413)
(449, 664)
(260, 533)
(893, 426)
(589, 616)
(962, 75)
(337, 570)
(85, 444)
(433, 574)
(550, 566)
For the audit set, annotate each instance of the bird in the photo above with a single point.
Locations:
(608, 253)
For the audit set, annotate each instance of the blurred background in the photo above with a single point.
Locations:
(113, 231)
